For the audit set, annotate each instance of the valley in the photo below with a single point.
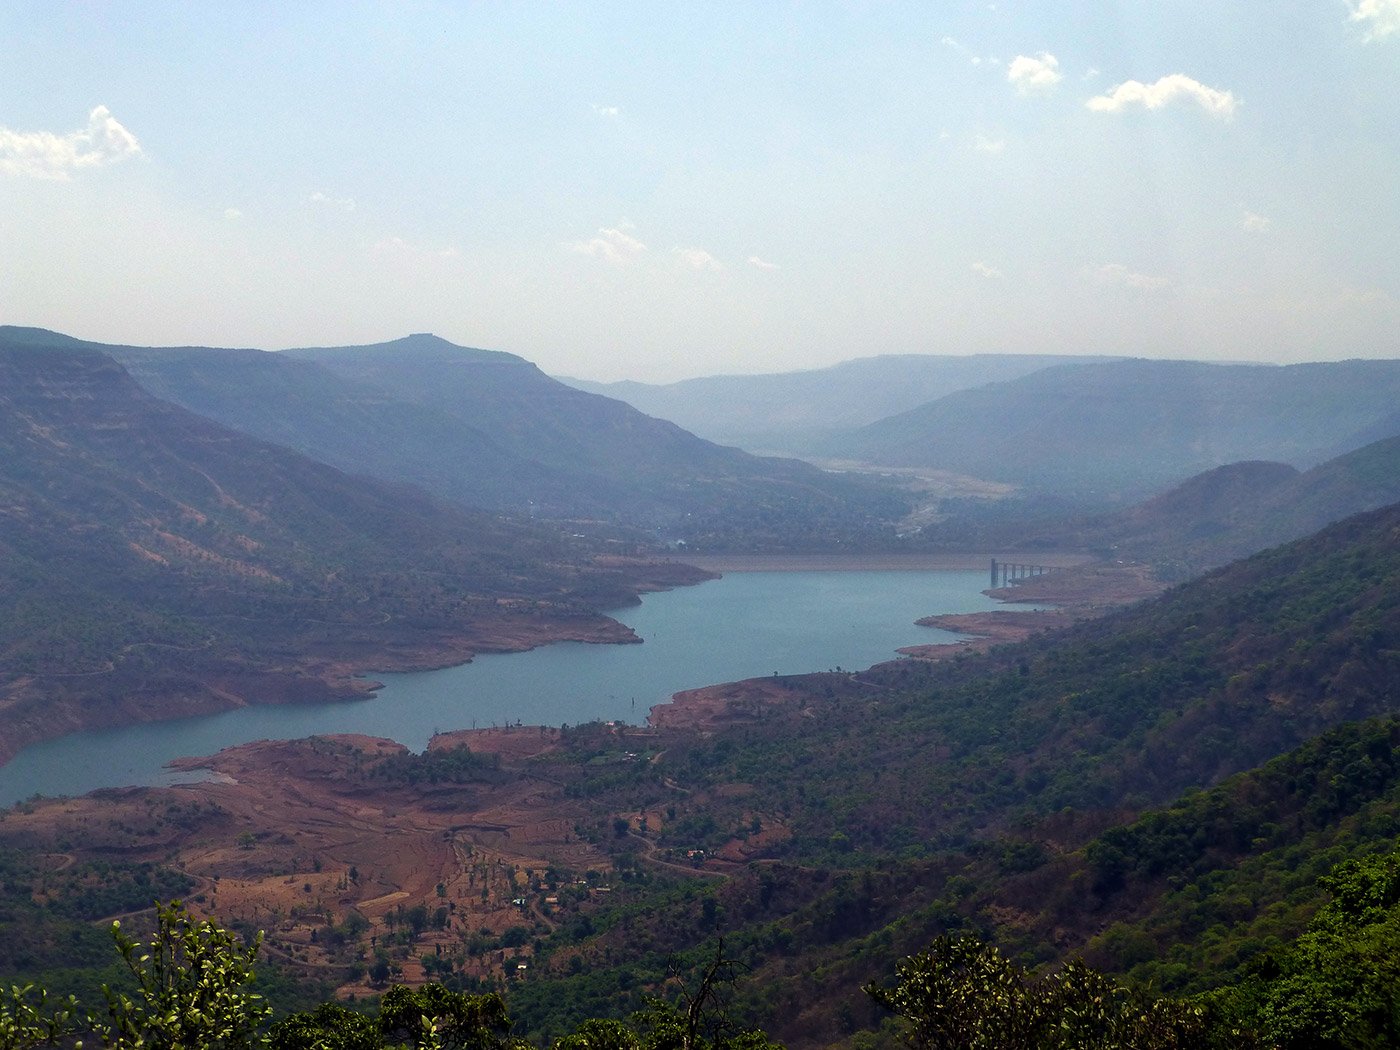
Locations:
(1010, 779)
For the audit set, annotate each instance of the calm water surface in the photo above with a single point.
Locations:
(741, 626)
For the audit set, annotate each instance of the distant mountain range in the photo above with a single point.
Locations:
(488, 429)
(789, 412)
(1122, 429)
(154, 563)
(1081, 430)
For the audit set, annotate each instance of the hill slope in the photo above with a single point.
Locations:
(488, 429)
(1232, 511)
(1124, 428)
(156, 563)
(1215, 676)
(647, 470)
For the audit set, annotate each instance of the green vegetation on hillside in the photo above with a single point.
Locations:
(1336, 985)
(990, 793)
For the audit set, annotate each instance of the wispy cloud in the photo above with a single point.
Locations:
(232, 214)
(606, 111)
(610, 244)
(1119, 275)
(397, 247)
(961, 49)
(1173, 88)
(986, 144)
(1256, 223)
(44, 155)
(1032, 75)
(1380, 17)
(986, 271)
(329, 201)
(699, 259)
(762, 264)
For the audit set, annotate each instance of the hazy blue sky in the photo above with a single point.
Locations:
(657, 190)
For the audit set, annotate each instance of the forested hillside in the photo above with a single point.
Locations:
(980, 793)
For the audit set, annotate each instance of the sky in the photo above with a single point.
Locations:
(658, 190)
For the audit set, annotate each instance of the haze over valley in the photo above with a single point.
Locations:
(161, 563)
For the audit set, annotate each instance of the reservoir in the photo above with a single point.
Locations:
(745, 625)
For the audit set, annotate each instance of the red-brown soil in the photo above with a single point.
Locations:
(288, 837)
(1080, 593)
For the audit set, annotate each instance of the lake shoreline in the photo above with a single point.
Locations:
(751, 625)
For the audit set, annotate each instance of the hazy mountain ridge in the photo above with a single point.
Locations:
(488, 429)
(791, 411)
(660, 472)
(1123, 428)
(1232, 511)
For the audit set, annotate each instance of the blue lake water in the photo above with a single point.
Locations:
(741, 626)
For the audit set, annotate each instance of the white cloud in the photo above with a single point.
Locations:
(762, 264)
(1256, 223)
(343, 203)
(1034, 74)
(44, 155)
(232, 214)
(1381, 17)
(699, 259)
(606, 111)
(983, 144)
(610, 244)
(1165, 91)
(986, 271)
(1118, 274)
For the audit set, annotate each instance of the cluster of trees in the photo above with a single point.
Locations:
(194, 991)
